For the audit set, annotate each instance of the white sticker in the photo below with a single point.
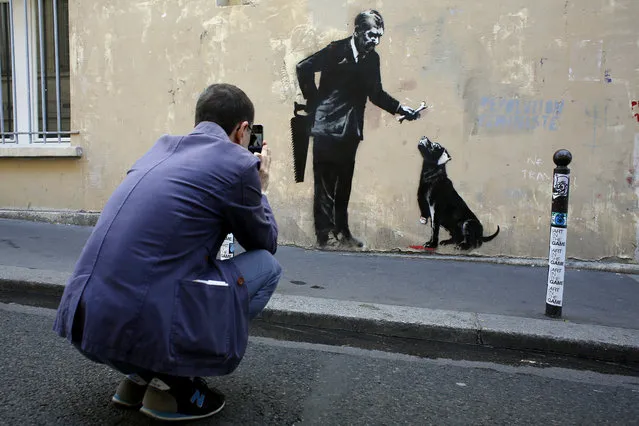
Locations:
(555, 294)
(557, 256)
(556, 266)
(227, 249)
(557, 237)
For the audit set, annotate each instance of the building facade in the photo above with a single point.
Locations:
(87, 87)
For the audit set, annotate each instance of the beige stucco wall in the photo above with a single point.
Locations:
(138, 66)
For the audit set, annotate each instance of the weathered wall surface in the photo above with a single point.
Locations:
(510, 82)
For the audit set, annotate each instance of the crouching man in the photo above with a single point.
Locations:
(147, 296)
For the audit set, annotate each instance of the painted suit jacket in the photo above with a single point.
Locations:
(147, 289)
(344, 87)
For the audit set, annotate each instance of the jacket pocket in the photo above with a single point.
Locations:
(203, 319)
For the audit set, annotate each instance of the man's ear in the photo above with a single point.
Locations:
(233, 134)
(236, 134)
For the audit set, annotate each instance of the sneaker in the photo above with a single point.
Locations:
(130, 392)
(181, 398)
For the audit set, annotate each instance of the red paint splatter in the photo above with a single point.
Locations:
(421, 248)
(633, 105)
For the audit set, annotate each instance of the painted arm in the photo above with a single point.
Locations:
(306, 70)
(377, 94)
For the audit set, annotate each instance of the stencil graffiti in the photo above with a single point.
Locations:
(441, 203)
(634, 106)
(560, 185)
(349, 76)
(519, 114)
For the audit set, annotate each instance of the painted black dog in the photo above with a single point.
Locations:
(439, 200)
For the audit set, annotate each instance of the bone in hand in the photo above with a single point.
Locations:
(421, 107)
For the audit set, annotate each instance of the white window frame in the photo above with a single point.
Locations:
(24, 33)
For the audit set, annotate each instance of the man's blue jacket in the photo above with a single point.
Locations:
(147, 289)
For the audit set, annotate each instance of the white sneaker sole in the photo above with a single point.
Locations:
(118, 401)
(175, 417)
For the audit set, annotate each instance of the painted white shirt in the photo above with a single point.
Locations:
(355, 52)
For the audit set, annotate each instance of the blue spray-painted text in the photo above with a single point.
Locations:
(519, 114)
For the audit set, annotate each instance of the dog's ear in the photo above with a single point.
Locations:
(444, 158)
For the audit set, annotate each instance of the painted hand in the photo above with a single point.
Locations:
(409, 113)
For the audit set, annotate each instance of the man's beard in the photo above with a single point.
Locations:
(364, 48)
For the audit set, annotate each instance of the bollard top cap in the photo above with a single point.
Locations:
(562, 157)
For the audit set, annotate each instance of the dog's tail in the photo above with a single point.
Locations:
(490, 237)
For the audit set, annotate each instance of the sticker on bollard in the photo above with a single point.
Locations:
(561, 183)
(559, 219)
(227, 250)
(556, 265)
(558, 233)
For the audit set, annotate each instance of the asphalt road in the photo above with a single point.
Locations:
(590, 297)
(46, 382)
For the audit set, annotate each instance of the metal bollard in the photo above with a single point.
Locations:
(558, 231)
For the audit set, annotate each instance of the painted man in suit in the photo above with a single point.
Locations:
(349, 76)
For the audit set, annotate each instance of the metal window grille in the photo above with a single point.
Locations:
(34, 71)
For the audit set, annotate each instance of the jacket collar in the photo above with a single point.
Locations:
(209, 128)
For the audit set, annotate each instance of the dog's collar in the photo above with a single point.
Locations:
(445, 158)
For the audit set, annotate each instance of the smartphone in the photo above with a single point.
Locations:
(257, 138)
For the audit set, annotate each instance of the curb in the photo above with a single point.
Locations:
(403, 329)
(56, 217)
(31, 293)
(600, 266)
(421, 326)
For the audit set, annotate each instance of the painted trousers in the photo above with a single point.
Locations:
(333, 168)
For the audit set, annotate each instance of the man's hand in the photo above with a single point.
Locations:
(265, 165)
(409, 113)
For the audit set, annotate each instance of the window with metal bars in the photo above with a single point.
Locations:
(34, 70)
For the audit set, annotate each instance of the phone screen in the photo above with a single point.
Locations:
(257, 138)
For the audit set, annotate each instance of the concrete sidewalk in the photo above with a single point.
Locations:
(355, 298)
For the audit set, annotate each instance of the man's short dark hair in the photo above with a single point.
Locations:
(367, 18)
(224, 104)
